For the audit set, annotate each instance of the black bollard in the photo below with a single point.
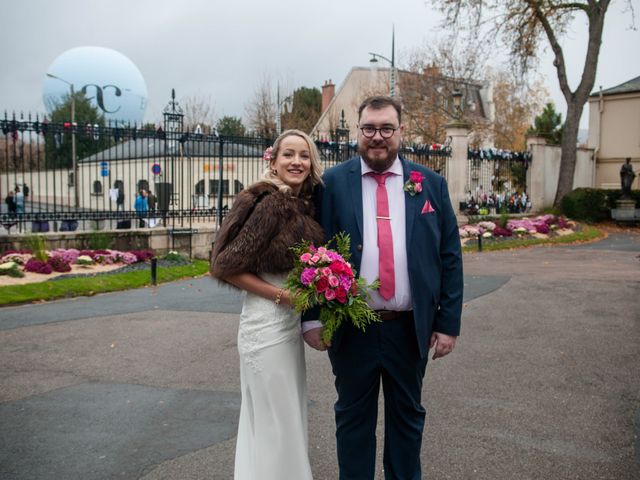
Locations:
(154, 271)
(479, 242)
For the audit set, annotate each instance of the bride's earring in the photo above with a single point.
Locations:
(274, 173)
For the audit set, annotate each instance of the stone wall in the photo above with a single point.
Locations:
(543, 174)
(161, 240)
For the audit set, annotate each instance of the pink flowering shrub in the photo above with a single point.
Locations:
(143, 255)
(501, 232)
(467, 231)
(125, 257)
(69, 255)
(38, 266)
(59, 264)
(542, 228)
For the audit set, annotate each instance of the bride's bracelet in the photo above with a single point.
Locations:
(279, 296)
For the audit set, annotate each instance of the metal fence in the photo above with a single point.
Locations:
(192, 177)
(497, 179)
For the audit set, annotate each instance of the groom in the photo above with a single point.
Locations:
(403, 231)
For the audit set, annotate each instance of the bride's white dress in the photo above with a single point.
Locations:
(272, 431)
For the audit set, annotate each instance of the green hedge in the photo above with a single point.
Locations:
(592, 204)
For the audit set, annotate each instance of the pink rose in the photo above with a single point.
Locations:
(314, 259)
(336, 267)
(333, 281)
(305, 257)
(418, 187)
(322, 284)
(326, 271)
(329, 294)
(415, 177)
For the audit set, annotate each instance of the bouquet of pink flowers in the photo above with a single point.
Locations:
(324, 278)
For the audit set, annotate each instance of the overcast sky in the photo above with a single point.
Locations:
(221, 49)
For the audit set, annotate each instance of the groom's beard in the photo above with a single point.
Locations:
(377, 154)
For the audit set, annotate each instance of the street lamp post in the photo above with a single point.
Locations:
(342, 132)
(73, 138)
(392, 62)
(342, 138)
(456, 96)
(288, 100)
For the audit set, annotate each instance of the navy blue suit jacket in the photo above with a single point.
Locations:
(433, 244)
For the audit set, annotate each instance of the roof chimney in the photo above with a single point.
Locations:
(328, 92)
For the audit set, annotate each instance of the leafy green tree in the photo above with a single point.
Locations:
(89, 139)
(231, 126)
(548, 125)
(305, 111)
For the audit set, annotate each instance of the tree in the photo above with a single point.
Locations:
(261, 111)
(433, 73)
(515, 105)
(523, 25)
(89, 139)
(198, 111)
(231, 126)
(305, 111)
(548, 125)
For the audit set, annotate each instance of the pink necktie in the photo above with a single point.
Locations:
(385, 240)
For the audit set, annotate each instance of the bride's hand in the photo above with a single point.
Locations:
(289, 298)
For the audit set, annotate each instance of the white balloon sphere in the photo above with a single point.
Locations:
(109, 79)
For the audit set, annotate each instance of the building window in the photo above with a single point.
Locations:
(97, 188)
(200, 188)
(237, 187)
(214, 187)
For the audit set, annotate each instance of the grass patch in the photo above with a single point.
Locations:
(87, 286)
(586, 234)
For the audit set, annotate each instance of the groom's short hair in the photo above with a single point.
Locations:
(378, 102)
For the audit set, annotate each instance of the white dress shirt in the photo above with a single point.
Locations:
(369, 267)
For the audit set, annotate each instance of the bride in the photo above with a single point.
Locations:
(252, 253)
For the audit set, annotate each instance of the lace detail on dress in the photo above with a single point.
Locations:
(264, 324)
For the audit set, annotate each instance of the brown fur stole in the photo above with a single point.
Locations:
(261, 243)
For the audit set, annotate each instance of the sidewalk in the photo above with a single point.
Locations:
(144, 384)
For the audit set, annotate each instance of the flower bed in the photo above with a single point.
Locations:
(543, 226)
(17, 264)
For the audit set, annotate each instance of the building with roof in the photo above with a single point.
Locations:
(426, 98)
(183, 174)
(614, 131)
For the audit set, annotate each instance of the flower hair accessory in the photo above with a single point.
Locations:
(414, 184)
(266, 156)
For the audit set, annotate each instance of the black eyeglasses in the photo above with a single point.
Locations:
(385, 132)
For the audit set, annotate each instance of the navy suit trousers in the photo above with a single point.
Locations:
(385, 353)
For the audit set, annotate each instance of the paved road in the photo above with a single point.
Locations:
(144, 384)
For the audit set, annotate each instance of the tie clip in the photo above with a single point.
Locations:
(383, 218)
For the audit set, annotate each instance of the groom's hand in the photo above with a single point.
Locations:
(313, 338)
(443, 344)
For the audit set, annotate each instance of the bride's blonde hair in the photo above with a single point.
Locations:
(315, 175)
